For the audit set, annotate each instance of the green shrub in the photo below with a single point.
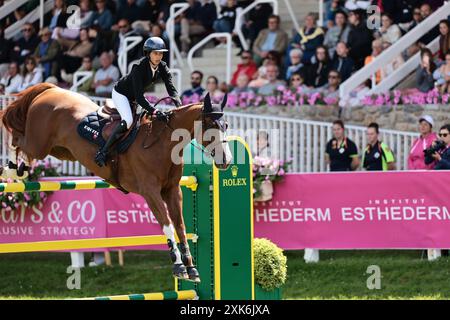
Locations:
(270, 264)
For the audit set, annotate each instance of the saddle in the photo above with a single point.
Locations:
(97, 126)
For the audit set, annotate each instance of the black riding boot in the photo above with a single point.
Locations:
(100, 157)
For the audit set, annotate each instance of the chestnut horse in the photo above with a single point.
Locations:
(43, 121)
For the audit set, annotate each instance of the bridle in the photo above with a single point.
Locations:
(215, 124)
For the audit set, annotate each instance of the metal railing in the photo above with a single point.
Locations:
(393, 51)
(206, 40)
(37, 13)
(79, 78)
(122, 60)
(10, 6)
(175, 10)
(301, 141)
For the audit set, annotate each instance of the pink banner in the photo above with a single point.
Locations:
(362, 210)
(324, 211)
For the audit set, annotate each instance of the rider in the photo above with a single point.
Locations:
(131, 88)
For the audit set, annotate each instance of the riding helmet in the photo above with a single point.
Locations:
(154, 44)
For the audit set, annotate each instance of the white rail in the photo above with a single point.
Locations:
(175, 10)
(130, 43)
(31, 17)
(240, 15)
(10, 6)
(204, 41)
(393, 51)
(79, 78)
(302, 141)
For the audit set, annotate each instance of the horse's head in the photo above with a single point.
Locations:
(214, 129)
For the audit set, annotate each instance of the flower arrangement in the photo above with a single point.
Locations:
(411, 97)
(265, 172)
(13, 200)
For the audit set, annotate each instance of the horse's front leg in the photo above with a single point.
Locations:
(174, 200)
(159, 210)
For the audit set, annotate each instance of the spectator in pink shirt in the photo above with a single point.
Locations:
(416, 159)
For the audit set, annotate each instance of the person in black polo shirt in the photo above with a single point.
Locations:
(377, 155)
(341, 153)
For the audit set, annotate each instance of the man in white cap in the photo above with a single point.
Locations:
(416, 158)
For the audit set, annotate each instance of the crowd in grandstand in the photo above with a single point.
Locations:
(313, 59)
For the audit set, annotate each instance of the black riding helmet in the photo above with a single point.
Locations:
(154, 44)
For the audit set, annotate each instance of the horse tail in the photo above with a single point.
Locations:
(15, 115)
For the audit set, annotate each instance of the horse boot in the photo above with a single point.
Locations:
(101, 156)
(187, 259)
(179, 270)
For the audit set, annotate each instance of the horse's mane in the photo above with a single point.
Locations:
(14, 116)
(187, 106)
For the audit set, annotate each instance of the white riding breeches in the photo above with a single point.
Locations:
(123, 106)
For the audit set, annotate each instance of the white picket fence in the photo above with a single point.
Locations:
(301, 141)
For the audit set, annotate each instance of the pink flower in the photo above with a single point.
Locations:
(281, 172)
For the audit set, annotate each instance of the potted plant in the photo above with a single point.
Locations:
(267, 171)
(270, 269)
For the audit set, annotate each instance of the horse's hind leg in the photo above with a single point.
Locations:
(174, 200)
(158, 208)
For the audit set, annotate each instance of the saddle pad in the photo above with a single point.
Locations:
(91, 127)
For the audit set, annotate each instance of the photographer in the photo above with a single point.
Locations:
(440, 150)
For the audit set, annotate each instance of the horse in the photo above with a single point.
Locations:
(43, 121)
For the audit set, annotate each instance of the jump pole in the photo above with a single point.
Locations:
(218, 213)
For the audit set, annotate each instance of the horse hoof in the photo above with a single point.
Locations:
(193, 274)
(179, 271)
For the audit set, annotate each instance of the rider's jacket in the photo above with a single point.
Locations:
(133, 84)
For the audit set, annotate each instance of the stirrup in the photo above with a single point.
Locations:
(100, 158)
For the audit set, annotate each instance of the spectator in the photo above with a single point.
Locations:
(31, 74)
(5, 50)
(59, 15)
(341, 153)
(442, 76)
(317, 73)
(416, 19)
(426, 11)
(103, 16)
(47, 53)
(377, 155)
(273, 82)
(101, 41)
(212, 87)
(332, 7)
(442, 157)
(389, 31)
(86, 13)
(342, 62)
(26, 45)
(87, 86)
(307, 39)
(125, 31)
(151, 11)
(11, 82)
(71, 59)
(227, 18)
(377, 48)
(130, 11)
(404, 10)
(352, 5)
(444, 39)
(197, 21)
(260, 80)
(337, 33)
(295, 56)
(270, 39)
(416, 158)
(297, 83)
(424, 73)
(256, 21)
(331, 89)
(242, 85)
(247, 67)
(359, 38)
(196, 83)
(105, 77)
